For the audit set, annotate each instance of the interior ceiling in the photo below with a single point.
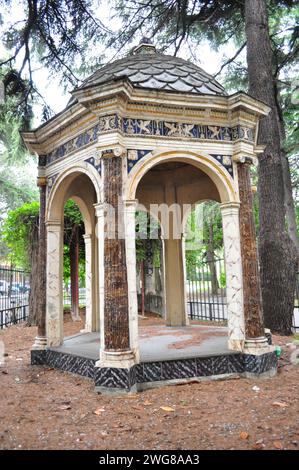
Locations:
(169, 166)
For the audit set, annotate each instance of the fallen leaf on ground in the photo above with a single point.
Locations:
(258, 446)
(278, 445)
(166, 408)
(147, 403)
(65, 407)
(99, 411)
(244, 435)
(280, 404)
(127, 397)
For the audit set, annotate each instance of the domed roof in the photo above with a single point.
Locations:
(147, 68)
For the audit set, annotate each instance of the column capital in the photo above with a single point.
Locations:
(118, 151)
(53, 225)
(227, 208)
(41, 181)
(131, 204)
(243, 158)
(87, 237)
(99, 209)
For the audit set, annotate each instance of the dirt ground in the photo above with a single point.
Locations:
(41, 408)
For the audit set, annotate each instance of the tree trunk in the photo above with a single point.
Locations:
(277, 253)
(288, 193)
(34, 280)
(74, 267)
(210, 257)
(142, 287)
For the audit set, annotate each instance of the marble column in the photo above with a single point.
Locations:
(234, 281)
(176, 313)
(254, 326)
(54, 309)
(41, 339)
(89, 321)
(114, 293)
(130, 234)
(175, 283)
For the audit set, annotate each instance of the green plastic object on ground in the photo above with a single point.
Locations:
(278, 351)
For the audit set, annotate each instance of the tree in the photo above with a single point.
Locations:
(74, 259)
(176, 22)
(20, 233)
(59, 34)
(206, 240)
(278, 282)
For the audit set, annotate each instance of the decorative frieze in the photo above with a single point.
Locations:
(151, 127)
(51, 180)
(134, 156)
(82, 140)
(95, 161)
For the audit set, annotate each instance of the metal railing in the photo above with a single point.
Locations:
(206, 291)
(14, 296)
(296, 306)
(67, 300)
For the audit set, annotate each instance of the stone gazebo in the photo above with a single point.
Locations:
(153, 129)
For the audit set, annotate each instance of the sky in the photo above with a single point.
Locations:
(51, 88)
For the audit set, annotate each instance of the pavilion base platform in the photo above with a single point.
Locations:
(167, 355)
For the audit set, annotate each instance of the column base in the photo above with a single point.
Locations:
(236, 345)
(40, 343)
(257, 346)
(115, 373)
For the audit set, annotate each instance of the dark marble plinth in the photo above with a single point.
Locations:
(127, 379)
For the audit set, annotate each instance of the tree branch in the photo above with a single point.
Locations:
(229, 61)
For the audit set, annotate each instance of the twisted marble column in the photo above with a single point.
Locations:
(253, 315)
(116, 307)
(41, 340)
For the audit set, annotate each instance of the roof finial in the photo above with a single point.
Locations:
(145, 47)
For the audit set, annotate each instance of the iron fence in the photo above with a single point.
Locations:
(67, 299)
(14, 296)
(296, 306)
(206, 291)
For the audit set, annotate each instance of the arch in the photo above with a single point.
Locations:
(59, 193)
(80, 183)
(203, 161)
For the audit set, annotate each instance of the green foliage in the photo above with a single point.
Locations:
(15, 116)
(147, 228)
(16, 233)
(222, 280)
(73, 218)
(204, 229)
(19, 225)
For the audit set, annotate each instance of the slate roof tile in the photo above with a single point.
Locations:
(160, 72)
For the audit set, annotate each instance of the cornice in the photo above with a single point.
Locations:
(120, 97)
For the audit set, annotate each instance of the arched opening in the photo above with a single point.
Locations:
(149, 264)
(205, 264)
(79, 188)
(74, 266)
(169, 190)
